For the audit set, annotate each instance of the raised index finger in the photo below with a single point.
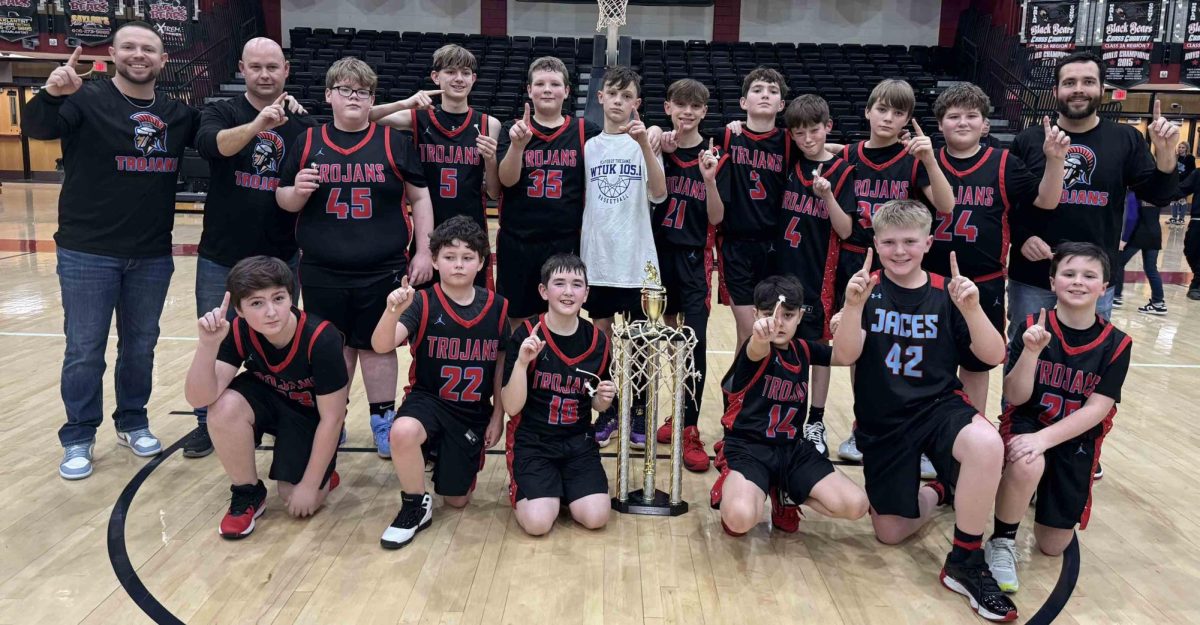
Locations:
(636, 116)
(433, 92)
(917, 128)
(526, 113)
(866, 268)
(280, 99)
(1157, 108)
(953, 265)
(74, 58)
(224, 305)
(1042, 317)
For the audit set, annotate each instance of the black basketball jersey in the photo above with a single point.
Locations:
(558, 402)
(875, 183)
(808, 246)
(915, 341)
(766, 399)
(683, 219)
(1066, 375)
(977, 230)
(355, 224)
(452, 163)
(311, 365)
(455, 358)
(758, 170)
(547, 200)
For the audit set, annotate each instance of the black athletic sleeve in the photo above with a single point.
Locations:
(48, 117)
(1016, 346)
(962, 339)
(503, 142)
(214, 118)
(404, 153)
(1020, 183)
(328, 364)
(228, 352)
(291, 162)
(505, 332)
(845, 198)
(515, 339)
(922, 177)
(821, 354)
(194, 126)
(1113, 377)
(411, 317)
(1142, 174)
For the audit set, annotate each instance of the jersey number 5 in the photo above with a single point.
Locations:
(448, 184)
(358, 208)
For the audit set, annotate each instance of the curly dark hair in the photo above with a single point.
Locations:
(459, 228)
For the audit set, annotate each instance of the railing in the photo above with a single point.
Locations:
(193, 74)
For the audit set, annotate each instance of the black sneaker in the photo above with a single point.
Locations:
(247, 502)
(416, 514)
(1193, 293)
(973, 579)
(198, 444)
(1153, 308)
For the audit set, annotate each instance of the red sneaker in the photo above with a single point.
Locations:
(247, 503)
(664, 432)
(784, 517)
(695, 457)
(334, 481)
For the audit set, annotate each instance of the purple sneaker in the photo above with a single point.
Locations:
(637, 428)
(605, 427)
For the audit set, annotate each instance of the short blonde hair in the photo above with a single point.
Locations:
(894, 93)
(352, 70)
(902, 214)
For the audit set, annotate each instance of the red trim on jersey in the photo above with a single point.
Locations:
(912, 178)
(1082, 349)
(850, 247)
(807, 351)
(736, 397)
(437, 290)
(308, 134)
(347, 151)
(503, 315)
(237, 339)
(828, 280)
(1087, 507)
(416, 126)
(582, 138)
(722, 289)
(414, 344)
(1005, 235)
(753, 136)
(291, 352)
(550, 137)
(510, 435)
(725, 143)
(987, 277)
(787, 365)
(683, 163)
(449, 133)
(880, 167)
(313, 341)
(962, 174)
(570, 362)
(710, 243)
(1125, 342)
(387, 148)
(1006, 423)
(937, 281)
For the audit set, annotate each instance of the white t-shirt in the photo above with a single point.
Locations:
(617, 240)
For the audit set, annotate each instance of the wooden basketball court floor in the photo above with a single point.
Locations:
(59, 540)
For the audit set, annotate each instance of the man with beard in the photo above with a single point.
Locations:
(121, 144)
(244, 140)
(1104, 159)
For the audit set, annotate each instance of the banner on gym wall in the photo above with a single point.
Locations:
(1190, 72)
(1130, 30)
(90, 21)
(1049, 34)
(17, 19)
(172, 19)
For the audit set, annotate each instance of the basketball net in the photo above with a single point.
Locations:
(612, 17)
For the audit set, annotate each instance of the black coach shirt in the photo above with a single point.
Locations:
(241, 217)
(1101, 164)
(121, 157)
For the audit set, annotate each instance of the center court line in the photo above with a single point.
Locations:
(721, 352)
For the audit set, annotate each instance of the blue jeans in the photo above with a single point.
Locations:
(1149, 266)
(1024, 300)
(93, 287)
(211, 278)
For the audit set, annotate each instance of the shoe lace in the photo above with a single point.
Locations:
(242, 499)
(692, 442)
(381, 427)
(815, 433)
(76, 451)
(135, 435)
(409, 515)
(1003, 555)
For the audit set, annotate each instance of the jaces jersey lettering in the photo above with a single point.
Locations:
(289, 370)
(1067, 375)
(977, 230)
(758, 170)
(766, 400)
(915, 341)
(452, 163)
(547, 200)
(809, 247)
(683, 219)
(558, 402)
(896, 178)
(455, 358)
(356, 220)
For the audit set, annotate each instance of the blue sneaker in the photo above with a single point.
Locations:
(141, 442)
(77, 461)
(381, 427)
(605, 426)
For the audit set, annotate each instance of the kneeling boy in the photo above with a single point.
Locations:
(294, 387)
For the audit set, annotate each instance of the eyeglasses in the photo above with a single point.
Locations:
(346, 92)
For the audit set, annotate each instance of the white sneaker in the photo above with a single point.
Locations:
(1001, 556)
(412, 518)
(141, 442)
(77, 462)
(848, 450)
(815, 434)
(927, 470)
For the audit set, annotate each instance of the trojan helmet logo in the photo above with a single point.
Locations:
(150, 133)
(1079, 166)
(268, 152)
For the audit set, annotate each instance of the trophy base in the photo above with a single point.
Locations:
(660, 506)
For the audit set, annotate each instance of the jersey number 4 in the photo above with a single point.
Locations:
(358, 208)
(905, 361)
(454, 377)
(781, 422)
(545, 183)
(962, 227)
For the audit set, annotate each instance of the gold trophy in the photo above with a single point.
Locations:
(656, 360)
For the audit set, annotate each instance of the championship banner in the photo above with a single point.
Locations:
(17, 19)
(1130, 30)
(1190, 72)
(1050, 30)
(171, 19)
(90, 21)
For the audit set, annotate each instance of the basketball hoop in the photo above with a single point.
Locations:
(612, 17)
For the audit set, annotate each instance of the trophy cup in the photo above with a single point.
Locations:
(653, 359)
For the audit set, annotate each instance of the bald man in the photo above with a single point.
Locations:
(244, 140)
